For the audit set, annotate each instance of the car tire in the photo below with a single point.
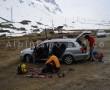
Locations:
(68, 59)
(28, 58)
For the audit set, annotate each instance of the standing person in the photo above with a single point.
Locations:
(37, 54)
(45, 51)
(62, 49)
(56, 49)
(34, 54)
(91, 41)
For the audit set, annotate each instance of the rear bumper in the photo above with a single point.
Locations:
(82, 56)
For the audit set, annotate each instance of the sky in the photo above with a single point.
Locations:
(86, 10)
(83, 13)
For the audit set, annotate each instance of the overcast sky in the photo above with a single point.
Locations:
(86, 10)
(76, 10)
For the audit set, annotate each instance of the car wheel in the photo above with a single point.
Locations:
(28, 58)
(68, 59)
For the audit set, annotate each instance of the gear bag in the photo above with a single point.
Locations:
(22, 69)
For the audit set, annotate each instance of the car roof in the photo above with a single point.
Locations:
(61, 40)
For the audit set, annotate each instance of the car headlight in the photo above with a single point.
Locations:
(21, 51)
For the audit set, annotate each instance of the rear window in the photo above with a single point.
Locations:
(51, 44)
(70, 45)
(67, 44)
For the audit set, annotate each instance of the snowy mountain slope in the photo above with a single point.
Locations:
(50, 5)
(33, 10)
(9, 28)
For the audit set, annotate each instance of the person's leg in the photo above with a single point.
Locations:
(34, 57)
(44, 69)
(91, 54)
(56, 70)
(100, 56)
(47, 69)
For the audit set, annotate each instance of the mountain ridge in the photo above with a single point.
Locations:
(50, 5)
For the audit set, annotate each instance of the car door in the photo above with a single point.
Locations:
(44, 50)
(72, 48)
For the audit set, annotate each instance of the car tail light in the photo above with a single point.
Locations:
(83, 50)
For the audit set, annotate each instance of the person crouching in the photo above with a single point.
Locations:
(52, 65)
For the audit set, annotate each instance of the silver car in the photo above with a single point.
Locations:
(72, 53)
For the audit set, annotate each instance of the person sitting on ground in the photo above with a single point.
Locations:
(91, 41)
(98, 56)
(52, 65)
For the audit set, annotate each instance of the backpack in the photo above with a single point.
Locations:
(22, 69)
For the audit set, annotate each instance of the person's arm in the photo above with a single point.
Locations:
(49, 60)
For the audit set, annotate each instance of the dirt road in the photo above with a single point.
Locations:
(85, 76)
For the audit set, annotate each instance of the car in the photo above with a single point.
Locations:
(101, 33)
(72, 53)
